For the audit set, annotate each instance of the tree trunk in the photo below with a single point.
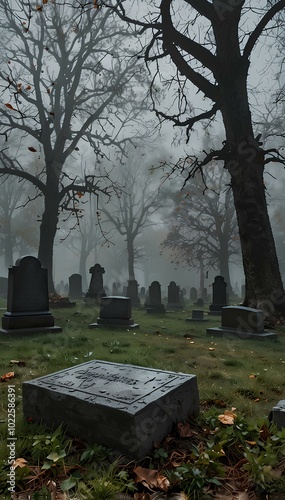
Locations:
(245, 162)
(131, 258)
(48, 231)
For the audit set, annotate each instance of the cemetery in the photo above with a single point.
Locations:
(128, 385)
(142, 264)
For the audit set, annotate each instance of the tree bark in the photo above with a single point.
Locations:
(245, 162)
(131, 258)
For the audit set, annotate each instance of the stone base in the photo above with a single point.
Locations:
(277, 414)
(221, 331)
(114, 322)
(124, 407)
(197, 320)
(155, 310)
(19, 321)
(31, 331)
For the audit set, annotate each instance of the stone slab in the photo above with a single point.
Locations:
(116, 323)
(221, 331)
(125, 407)
(277, 414)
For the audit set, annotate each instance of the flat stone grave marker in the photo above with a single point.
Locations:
(277, 414)
(197, 315)
(28, 300)
(115, 311)
(242, 322)
(125, 407)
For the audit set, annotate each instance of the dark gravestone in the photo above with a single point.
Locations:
(197, 315)
(75, 286)
(173, 298)
(3, 287)
(154, 304)
(200, 302)
(115, 311)
(28, 300)
(132, 292)
(277, 415)
(219, 296)
(142, 293)
(243, 322)
(193, 294)
(124, 407)
(96, 289)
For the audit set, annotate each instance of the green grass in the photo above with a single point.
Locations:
(245, 374)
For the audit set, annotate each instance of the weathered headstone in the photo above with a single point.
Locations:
(28, 300)
(75, 286)
(193, 294)
(115, 311)
(124, 407)
(242, 322)
(204, 295)
(3, 287)
(66, 289)
(277, 415)
(197, 315)
(96, 289)
(174, 298)
(142, 293)
(219, 296)
(154, 305)
(132, 292)
(200, 302)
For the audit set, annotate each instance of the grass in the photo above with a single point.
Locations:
(245, 374)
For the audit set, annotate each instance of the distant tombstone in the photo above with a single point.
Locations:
(193, 294)
(115, 311)
(154, 305)
(173, 298)
(115, 289)
(200, 302)
(132, 292)
(121, 406)
(3, 287)
(28, 299)
(204, 295)
(75, 286)
(219, 296)
(96, 289)
(197, 315)
(57, 289)
(142, 293)
(236, 289)
(61, 287)
(242, 322)
(66, 289)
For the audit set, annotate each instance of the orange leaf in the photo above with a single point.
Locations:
(39, 8)
(32, 149)
(252, 375)
(45, 1)
(7, 376)
(79, 194)
(163, 483)
(227, 418)
(8, 105)
(28, 87)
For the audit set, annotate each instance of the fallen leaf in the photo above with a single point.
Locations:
(151, 479)
(184, 430)
(8, 105)
(7, 376)
(19, 462)
(252, 375)
(227, 418)
(211, 348)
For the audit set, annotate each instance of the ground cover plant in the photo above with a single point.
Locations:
(231, 447)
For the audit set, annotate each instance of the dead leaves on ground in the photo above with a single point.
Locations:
(151, 479)
(7, 376)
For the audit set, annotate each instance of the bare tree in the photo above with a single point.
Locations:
(71, 82)
(209, 45)
(203, 227)
(136, 205)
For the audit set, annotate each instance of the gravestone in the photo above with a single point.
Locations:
(242, 322)
(124, 407)
(200, 302)
(96, 289)
(193, 294)
(197, 315)
(142, 293)
(75, 286)
(66, 289)
(28, 299)
(115, 311)
(154, 305)
(204, 295)
(3, 287)
(132, 292)
(219, 296)
(277, 415)
(173, 298)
